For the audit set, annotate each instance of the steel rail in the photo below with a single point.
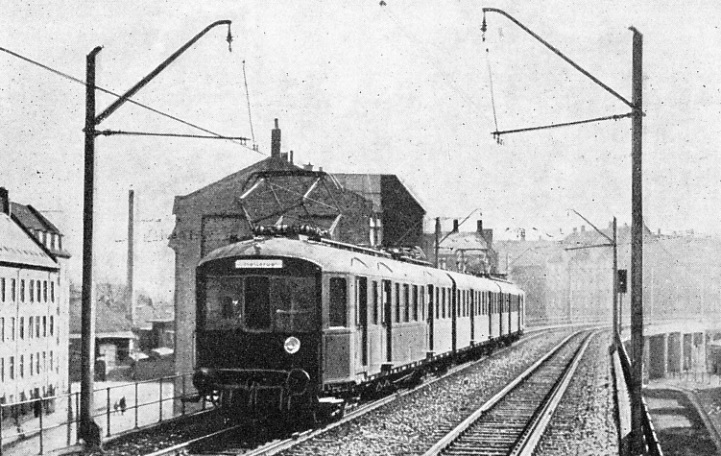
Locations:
(535, 430)
(459, 430)
(278, 446)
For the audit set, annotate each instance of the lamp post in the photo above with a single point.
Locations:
(89, 431)
(636, 114)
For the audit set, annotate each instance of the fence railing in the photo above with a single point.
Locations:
(40, 425)
(653, 447)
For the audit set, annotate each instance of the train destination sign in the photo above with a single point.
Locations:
(258, 264)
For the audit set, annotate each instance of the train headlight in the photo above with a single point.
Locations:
(291, 345)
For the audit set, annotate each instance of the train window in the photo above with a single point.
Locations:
(443, 303)
(375, 303)
(406, 303)
(415, 302)
(257, 309)
(398, 303)
(338, 302)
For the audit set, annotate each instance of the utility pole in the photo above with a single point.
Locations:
(438, 239)
(88, 430)
(637, 245)
(131, 255)
(614, 323)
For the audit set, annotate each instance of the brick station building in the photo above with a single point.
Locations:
(371, 210)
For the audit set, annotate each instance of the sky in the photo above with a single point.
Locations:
(409, 88)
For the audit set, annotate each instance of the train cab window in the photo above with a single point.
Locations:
(338, 302)
(406, 303)
(257, 311)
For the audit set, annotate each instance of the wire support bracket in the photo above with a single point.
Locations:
(497, 134)
(242, 139)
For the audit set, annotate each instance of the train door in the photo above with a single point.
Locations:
(472, 306)
(430, 318)
(388, 318)
(362, 316)
(454, 312)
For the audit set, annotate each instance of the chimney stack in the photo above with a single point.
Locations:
(455, 225)
(4, 201)
(275, 141)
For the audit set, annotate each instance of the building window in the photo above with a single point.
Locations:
(52, 361)
(32, 291)
(30, 326)
(38, 290)
(52, 325)
(12, 290)
(22, 366)
(22, 328)
(2, 289)
(2, 329)
(22, 290)
(52, 291)
(45, 291)
(32, 358)
(45, 326)
(12, 368)
(45, 362)
(37, 362)
(12, 328)
(37, 326)
(2, 369)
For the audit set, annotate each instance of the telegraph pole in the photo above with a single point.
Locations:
(88, 430)
(637, 246)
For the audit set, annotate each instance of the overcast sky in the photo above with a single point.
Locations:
(365, 88)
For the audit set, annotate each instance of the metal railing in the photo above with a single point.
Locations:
(44, 424)
(653, 447)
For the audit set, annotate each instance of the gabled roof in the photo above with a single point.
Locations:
(17, 247)
(370, 187)
(237, 179)
(32, 219)
(463, 240)
(110, 319)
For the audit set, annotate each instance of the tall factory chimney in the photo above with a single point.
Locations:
(131, 254)
(275, 141)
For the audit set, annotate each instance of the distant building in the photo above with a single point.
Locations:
(114, 337)
(471, 252)
(33, 305)
(397, 220)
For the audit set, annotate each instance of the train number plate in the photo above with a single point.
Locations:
(258, 264)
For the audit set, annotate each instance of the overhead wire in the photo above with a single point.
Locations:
(129, 100)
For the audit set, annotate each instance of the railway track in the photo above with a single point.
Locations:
(223, 442)
(513, 421)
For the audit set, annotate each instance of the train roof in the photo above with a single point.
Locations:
(331, 258)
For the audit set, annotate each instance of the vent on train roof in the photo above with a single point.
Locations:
(290, 231)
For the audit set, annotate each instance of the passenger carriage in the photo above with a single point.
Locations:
(286, 323)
